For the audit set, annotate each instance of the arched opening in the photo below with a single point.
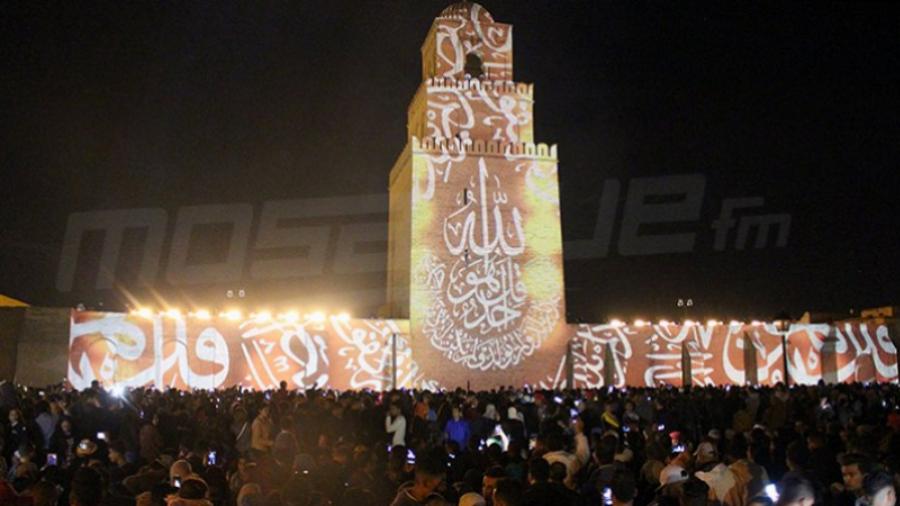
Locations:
(474, 66)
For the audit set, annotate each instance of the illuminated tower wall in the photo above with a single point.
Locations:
(475, 247)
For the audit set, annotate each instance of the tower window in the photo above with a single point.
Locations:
(474, 66)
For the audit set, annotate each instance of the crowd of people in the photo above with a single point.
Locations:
(821, 445)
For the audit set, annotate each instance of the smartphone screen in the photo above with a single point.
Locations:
(51, 459)
(607, 496)
(101, 436)
(211, 458)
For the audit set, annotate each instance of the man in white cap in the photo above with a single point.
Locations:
(672, 474)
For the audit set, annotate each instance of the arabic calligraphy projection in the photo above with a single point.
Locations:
(127, 350)
(465, 40)
(487, 263)
(476, 204)
(656, 355)
(473, 110)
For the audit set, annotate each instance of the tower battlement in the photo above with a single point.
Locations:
(499, 87)
(433, 145)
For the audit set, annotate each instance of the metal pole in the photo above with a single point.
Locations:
(784, 347)
(570, 366)
(394, 361)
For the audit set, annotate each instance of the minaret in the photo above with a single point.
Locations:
(475, 246)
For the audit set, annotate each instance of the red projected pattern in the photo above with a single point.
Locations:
(130, 350)
(655, 354)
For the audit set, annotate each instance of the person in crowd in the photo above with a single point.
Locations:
(46, 421)
(261, 433)
(119, 466)
(457, 429)
(854, 468)
(192, 492)
(615, 447)
(556, 452)
(395, 425)
(507, 492)
(880, 489)
(540, 491)
(86, 488)
(149, 439)
(423, 490)
(797, 490)
(17, 432)
(44, 493)
(489, 482)
(622, 490)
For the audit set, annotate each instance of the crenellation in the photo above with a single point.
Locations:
(498, 87)
(484, 147)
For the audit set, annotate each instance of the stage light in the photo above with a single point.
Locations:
(233, 315)
(145, 312)
(639, 323)
(291, 316)
(616, 323)
(711, 323)
(316, 317)
(664, 323)
(735, 323)
(203, 314)
(344, 317)
(117, 391)
(173, 313)
(755, 323)
(689, 323)
(263, 316)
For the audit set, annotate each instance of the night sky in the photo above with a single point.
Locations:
(169, 104)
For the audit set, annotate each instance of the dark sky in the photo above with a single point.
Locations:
(169, 104)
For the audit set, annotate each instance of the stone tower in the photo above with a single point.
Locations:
(475, 246)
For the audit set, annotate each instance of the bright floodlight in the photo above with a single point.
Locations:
(316, 317)
(203, 314)
(616, 323)
(173, 313)
(755, 323)
(639, 323)
(145, 312)
(263, 316)
(233, 315)
(291, 316)
(117, 390)
(664, 323)
(343, 317)
(735, 323)
(711, 323)
(689, 323)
